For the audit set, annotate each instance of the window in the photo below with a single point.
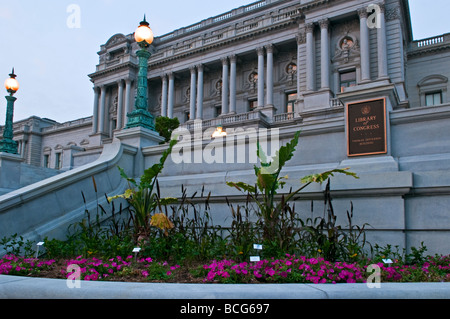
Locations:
(46, 161)
(347, 79)
(433, 90)
(58, 161)
(291, 98)
(217, 110)
(187, 116)
(252, 104)
(433, 98)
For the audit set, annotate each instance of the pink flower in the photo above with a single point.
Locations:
(145, 273)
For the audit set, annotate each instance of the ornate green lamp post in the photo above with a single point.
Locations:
(7, 144)
(140, 117)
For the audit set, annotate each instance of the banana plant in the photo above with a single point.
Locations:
(144, 196)
(269, 181)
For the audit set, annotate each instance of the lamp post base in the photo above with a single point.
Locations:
(8, 146)
(140, 118)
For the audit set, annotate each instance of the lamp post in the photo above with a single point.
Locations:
(140, 117)
(7, 144)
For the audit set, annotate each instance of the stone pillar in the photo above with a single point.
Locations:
(127, 98)
(199, 114)
(95, 115)
(120, 109)
(225, 86)
(382, 45)
(365, 45)
(164, 96)
(269, 82)
(310, 72)
(193, 93)
(301, 39)
(233, 84)
(260, 52)
(325, 54)
(102, 109)
(171, 97)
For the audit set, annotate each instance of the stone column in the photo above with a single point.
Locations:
(102, 109)
(164, 96)
(310, 75)
(199, 114)
(233, 84)
(127, 98)
(95, 115)
(225, 86)
(260, 52)
(325, 54)
(120, 109)
(193, 93)
(269, 83)
(382, 45)
(171, 96)
(365, 45)
(301, 39)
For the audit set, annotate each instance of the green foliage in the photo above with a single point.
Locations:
(165, 126)
(272, 213)
(16, 245)
(143, 197)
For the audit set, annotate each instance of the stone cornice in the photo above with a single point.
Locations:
(223, 43)
(101, 73)
(428, 50)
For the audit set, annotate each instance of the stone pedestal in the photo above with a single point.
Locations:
(10, 171)
(139, 137)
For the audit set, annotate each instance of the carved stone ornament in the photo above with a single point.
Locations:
(346, 49)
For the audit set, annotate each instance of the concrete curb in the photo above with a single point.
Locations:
(14, 287)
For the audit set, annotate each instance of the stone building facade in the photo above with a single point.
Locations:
(288, 65)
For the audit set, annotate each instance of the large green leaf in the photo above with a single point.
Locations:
(284, 154)
(322, 177)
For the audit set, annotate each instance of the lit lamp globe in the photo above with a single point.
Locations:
(11, 84)
(143, 34)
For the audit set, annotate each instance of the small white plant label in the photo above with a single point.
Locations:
(257, 246)
(255, 258)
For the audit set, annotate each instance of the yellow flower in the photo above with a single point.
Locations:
(354, 255)
(241, 253)
(319, 250)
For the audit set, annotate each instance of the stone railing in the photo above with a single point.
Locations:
(224, 120)
(66, 125)
(283, 117)
(336, 102)
(430, 43)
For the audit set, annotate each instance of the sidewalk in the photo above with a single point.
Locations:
(12, 287)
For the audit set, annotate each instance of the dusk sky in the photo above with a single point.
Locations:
(52, 60)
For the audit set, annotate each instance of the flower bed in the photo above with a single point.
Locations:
(290, 269)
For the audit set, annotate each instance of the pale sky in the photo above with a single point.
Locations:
(52, 61)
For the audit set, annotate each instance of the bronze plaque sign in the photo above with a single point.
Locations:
(366, 128)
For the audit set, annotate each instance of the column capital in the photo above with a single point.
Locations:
(193, 69)
(300, 37)
(382, 6)
(120, 82)
(224, 60)
(362, 13)
(200, 67)
(171, 75)
(233, 58)
(324, 23)
(309, 27)
(270, 48)
(260, 51)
